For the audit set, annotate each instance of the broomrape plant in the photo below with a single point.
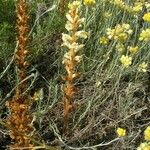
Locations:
(71, 58)
(20, 119)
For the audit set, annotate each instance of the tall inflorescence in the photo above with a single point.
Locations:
(19, 121)
(72, 58)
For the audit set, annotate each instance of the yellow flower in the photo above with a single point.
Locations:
(138, 6)
(89, 2)
(121, 132)
(147, 133)
(147, 147)
(145, 35)
(126, 60)
(120, 32)
(146, 17)
(121, 37)
(133, 49)
(38, 95)
(103, 40)
(143, 67)
(144, 146)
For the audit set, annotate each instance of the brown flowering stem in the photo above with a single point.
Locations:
(20, 119)
(71, 58)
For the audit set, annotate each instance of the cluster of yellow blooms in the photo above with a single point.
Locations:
(136, 8)
(143, 67)
(126, 60)
(132, 49)
(121, 132)
(103, 40)
(89, 2)
(145, 35)
(147, 133)
(145, 145)
(146, 17)
(120, 32)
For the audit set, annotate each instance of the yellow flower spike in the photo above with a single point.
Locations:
(126, 60)
(89, 2)
(147, 133)
(121, 132)
(146, 17)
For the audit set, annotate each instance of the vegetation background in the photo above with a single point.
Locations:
(110, 95)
